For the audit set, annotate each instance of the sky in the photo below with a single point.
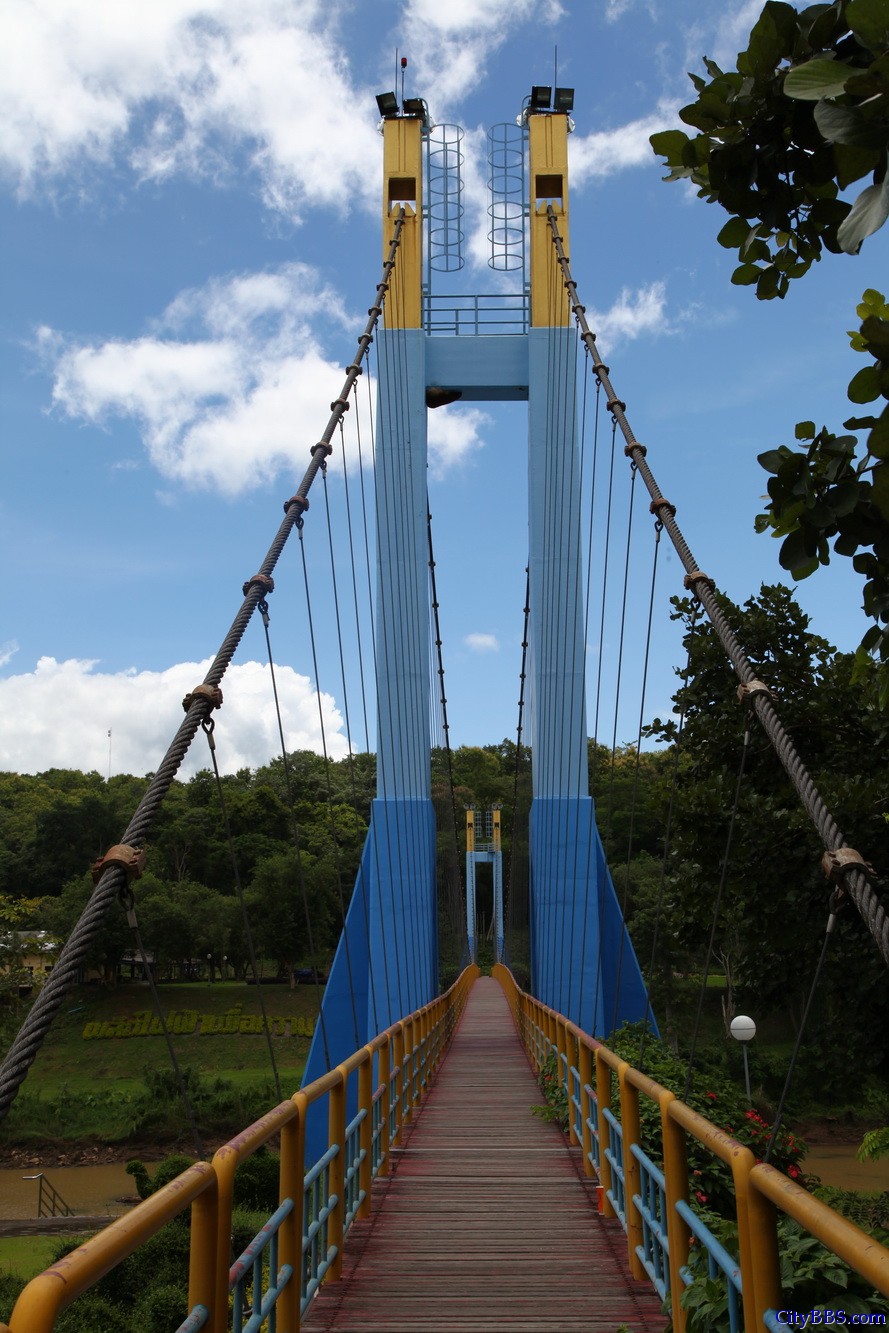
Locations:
(189, 195)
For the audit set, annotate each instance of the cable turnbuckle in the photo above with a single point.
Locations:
(212, 693)
(129, 859)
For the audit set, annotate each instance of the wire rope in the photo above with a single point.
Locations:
(294, 831)
(658, 528)
(349, 757)
(208, 725)
(330, 806)
(26, 1044)
(717, 908)
(852, 874)
(668, 830)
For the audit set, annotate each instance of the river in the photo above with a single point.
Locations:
(96, 1190)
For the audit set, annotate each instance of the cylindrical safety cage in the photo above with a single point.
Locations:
(508, 209)
(444, 196)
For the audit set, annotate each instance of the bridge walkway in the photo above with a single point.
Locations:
(486, 1221)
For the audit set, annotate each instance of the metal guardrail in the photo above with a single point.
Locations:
(301, 1244)
(652, 1201)
(493, 313)
(49, 1201)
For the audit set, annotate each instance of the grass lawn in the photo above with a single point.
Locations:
(90, 1082)
(26, 1256)
(67, 1058)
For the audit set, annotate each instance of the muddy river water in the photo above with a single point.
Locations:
(101, 1189)
(97, 1190)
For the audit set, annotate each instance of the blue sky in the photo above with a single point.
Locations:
(190, 213)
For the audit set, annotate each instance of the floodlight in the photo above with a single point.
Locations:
(414, 106)
(564, 100)
(387, 104)
(541, 95)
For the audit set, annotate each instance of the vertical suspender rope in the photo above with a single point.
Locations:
(658, 527)
(349, 757)
(24, 1048)
(208, 726)
(851, 874)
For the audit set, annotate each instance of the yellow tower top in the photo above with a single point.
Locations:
(403, 186)
(548, 162)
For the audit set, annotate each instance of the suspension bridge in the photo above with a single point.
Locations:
(416, 1189)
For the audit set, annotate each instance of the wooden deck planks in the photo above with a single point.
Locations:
(485, 1222)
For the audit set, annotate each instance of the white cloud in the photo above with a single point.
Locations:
(223, 387)
(453, 432)
(177, 85)
(59, 716)
(634, 313)
(8, 651)
(482, 643)
(606, 151)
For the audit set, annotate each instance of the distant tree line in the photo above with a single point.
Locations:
(774, 909)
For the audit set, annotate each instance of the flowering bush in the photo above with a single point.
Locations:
(555, 1108)
(719, 1101)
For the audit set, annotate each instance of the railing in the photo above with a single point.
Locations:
(49, 1201)
(652, 1200)
(301, 1245)
(487, 313)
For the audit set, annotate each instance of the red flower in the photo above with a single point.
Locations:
(711, 1096)
(700, 1196)
(793, 1171)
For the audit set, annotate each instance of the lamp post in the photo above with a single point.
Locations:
(743, 1029)
(224, 961)
(209, 969)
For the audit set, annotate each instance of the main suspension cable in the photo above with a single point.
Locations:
(27, 1043)
(849, 871)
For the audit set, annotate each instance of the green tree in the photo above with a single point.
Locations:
(278, 910)
(803, 117)
(776, 898)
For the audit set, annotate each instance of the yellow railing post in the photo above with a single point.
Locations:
(398, 1078)
(676, 1190)
(290, 1246)
(742, 1162)
(629, 1123)
(337, 1177)
(366, 1128)
(585, 1070)
(408, 1075)
(202, 1285)
(764, 1259)
(385, 1107)
(224, 1163)
(562, 1071)
(572, 1063)
(603, 1100)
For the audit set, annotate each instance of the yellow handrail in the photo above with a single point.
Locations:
(207, 1187)
(759, 1189)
